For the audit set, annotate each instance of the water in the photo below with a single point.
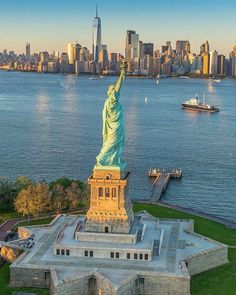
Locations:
(51, 126)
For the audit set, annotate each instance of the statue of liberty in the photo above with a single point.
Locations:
(113, 126)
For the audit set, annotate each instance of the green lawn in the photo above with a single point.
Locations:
(6, 215)
(219, 281)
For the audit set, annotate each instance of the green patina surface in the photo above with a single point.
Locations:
(113, 127)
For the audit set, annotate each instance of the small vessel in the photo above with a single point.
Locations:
(146, 99)
(184, 77)
(93, 78)
(102, 77)
(217, 80)
(196, 105)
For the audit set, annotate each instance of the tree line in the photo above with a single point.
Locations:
(34, 198)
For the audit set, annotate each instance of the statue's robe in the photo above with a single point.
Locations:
(113, 132)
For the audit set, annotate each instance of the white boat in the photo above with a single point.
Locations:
(93, 78)
(196, 105)
(184, 77)
(101, 77)
(158, 81)
(146, 99)
(217, 80)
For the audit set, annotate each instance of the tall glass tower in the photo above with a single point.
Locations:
(97, 38)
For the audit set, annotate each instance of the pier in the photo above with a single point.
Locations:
(161, 182)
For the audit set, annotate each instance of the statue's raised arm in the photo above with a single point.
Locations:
(123, 67)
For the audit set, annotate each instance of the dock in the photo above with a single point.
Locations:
(162, 179)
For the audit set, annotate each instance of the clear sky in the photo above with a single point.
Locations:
(51, 24)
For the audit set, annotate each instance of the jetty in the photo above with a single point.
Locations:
(162, 179)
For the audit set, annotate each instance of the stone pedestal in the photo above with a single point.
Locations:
(110, 209)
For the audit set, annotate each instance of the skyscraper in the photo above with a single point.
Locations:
(27, 51)
(70, 52)
(128, 44)
(97, 36)
(132, 45)
(221, 68)
(206, 64)
(77, 49)
(233, 62)
(148, 49)
(213, 62)
(180, 46)
(207, 47)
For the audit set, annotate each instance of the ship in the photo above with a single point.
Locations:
(196, 105)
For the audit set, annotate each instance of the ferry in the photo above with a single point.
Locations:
(195, 105)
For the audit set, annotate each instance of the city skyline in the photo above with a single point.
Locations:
(70, 23)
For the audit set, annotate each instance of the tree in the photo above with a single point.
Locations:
(33, 200)
(58, 198)
(23, 202)
(64, 182)
(7, 192)
(22, 182)
(74, 195)
(40, 198)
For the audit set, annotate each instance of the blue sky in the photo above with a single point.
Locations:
(51, 24)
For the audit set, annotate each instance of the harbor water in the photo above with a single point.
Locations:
(51, 126)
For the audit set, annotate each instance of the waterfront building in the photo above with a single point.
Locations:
(221, 67)
(166, 67)
(44, 57)
(70, 52)
(132, 45)
(207, 47)
(148, 49)
(157, 65)
(213, 62)
(57, 54)
(27, 51)
(84, 54)
(164, 49)
(82, 67)
(140, 49)
(233, 67)
(187, 48)
(113, 62)
(52, 66)
(168, 43)
(97, 36)
(206, 64)
(181, 47)
(64, 63)
(129, 33)
(202, 49)
(103, 57)
(77, 49)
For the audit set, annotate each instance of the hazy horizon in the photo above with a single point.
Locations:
(50, 26)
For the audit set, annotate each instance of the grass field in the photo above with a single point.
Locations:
(219, 281)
